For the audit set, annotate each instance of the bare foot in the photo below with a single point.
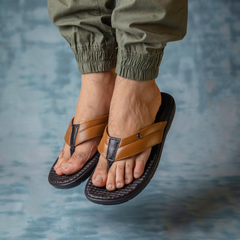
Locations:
(94, 101)
(134, 106)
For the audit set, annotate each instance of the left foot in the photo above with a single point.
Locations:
(94, 101)
(134, 106)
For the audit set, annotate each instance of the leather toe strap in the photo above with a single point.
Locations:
(78, 133)
(115, 149)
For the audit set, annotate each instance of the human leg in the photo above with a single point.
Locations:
(86, 25)
(143, 29)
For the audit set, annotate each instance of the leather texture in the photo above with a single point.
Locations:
(113, 144)
(74, 131)
(136, 143)
(75, 135)
(101, 195)
(88, 130)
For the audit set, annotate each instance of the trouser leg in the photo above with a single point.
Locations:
(86, 25)
(143, 28)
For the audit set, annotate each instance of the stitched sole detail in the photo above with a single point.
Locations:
(101, 195)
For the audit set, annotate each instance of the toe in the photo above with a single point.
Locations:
(63, 157)
(82, 154)
(59, 172)
(120, 173)
(129, 171)
(100, 174)
(60, 163)
(141, 160)
(75, 163)
(62, 160)
(111, 178)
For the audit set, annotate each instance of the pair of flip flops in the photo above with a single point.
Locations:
(116, 149)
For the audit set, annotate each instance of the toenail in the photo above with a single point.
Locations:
(126, 180)
(137, 175)
(119, 185)
(66, 166)
(110, 186)
(99, 178)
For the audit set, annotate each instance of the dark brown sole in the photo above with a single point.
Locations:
(73, 180)
(100, 195)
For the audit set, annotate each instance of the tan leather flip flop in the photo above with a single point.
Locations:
(75, 135)
(116, 149)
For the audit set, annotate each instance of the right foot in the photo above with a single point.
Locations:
(94, 101)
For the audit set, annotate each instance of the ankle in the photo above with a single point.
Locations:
(132, 90)
(99, 78)
(99, 83)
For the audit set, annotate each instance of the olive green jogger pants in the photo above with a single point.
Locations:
(130, 36)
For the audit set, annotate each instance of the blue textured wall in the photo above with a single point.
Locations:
(195, 191)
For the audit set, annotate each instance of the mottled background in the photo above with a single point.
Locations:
(195, 191)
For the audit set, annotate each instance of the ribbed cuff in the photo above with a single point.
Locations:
(140, 67)
(95, 59)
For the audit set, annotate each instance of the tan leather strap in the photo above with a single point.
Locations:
(87, 130)
(136, 143)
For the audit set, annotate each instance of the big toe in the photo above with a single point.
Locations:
(81, 155)
(75, 163)
(100, 175)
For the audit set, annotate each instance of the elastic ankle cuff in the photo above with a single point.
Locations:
(140, 67)
(95, 59)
